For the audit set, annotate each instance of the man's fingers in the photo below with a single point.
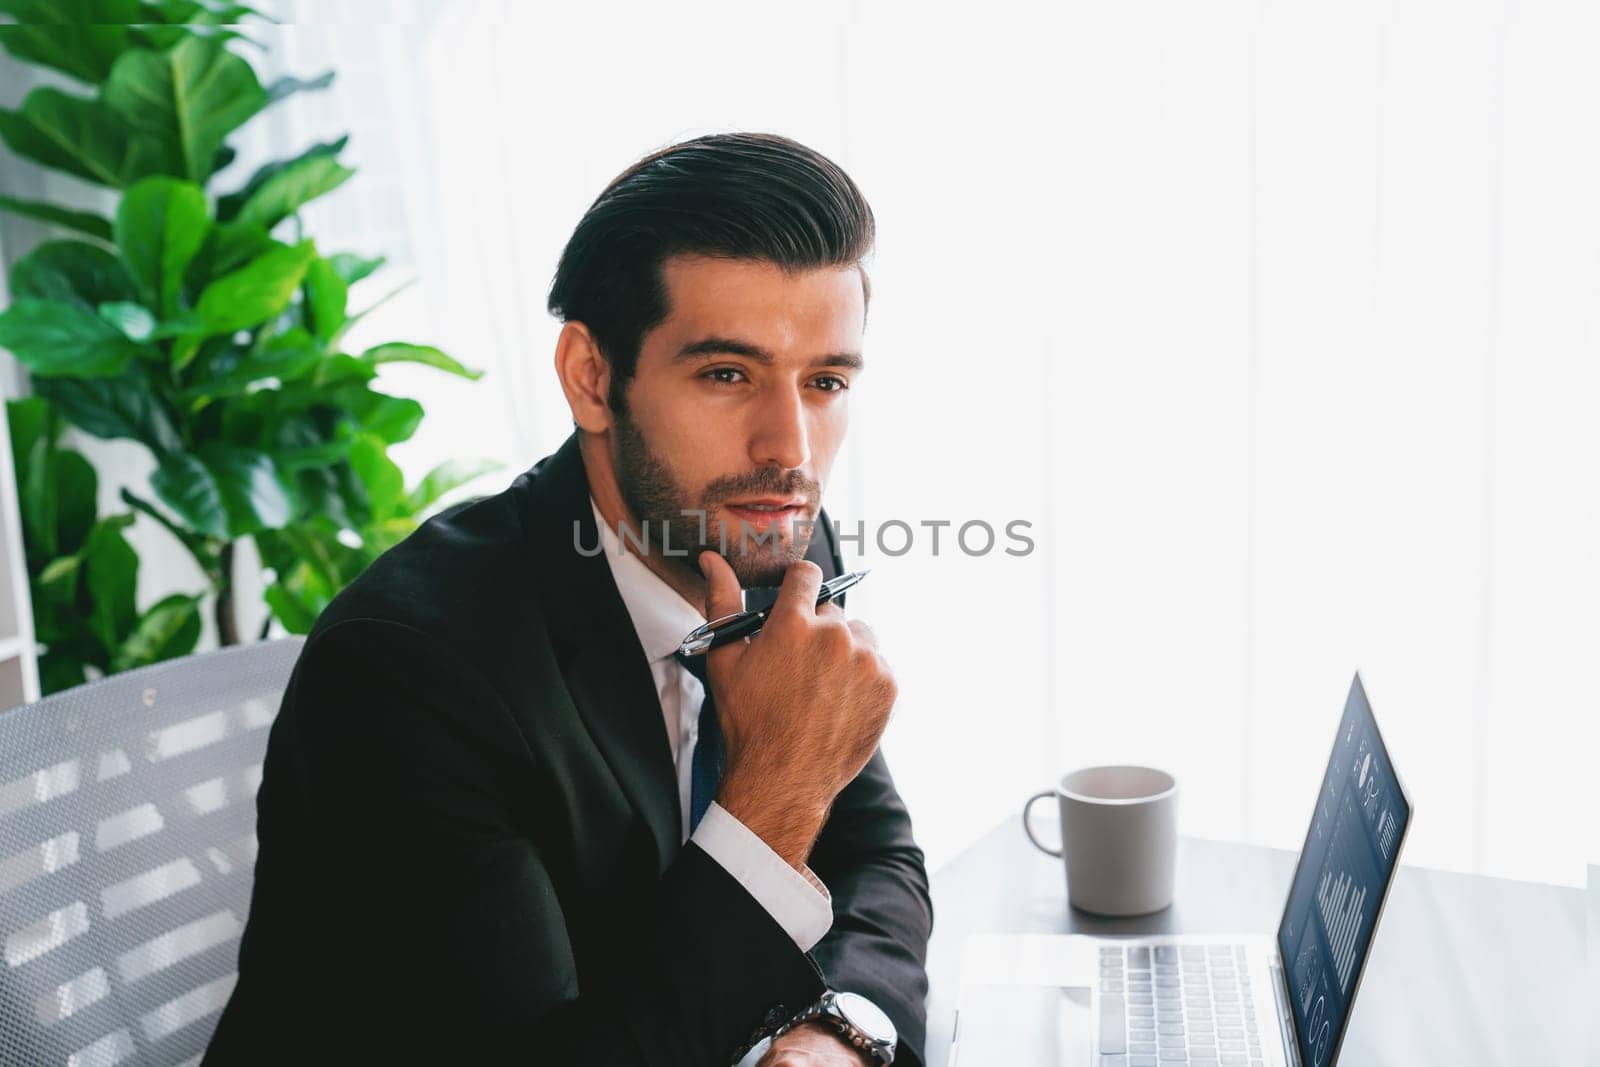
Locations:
(830, 610)
(723, 595)
(863, 633)
(798, 594)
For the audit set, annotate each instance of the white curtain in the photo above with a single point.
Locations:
(1276, 321)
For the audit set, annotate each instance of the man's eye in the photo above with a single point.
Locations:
(715, 374)
(832, 383)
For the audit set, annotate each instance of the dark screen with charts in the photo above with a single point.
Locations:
(1345, 867)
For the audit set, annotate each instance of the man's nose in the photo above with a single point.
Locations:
(780, 434)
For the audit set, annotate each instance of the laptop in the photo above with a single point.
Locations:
(1254, 1000)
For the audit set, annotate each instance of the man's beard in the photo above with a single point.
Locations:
(658, 503)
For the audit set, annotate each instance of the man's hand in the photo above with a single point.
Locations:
(814, 1045)
(802, 706)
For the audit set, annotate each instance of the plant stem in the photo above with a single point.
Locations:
(195, 543)
(227, 625)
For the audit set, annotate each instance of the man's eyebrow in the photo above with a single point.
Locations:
(731, 346)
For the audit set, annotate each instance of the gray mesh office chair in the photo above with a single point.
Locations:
(127, 850)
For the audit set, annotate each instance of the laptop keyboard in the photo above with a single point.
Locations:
(1167, 1004)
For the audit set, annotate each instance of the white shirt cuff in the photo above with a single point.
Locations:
(797, 900)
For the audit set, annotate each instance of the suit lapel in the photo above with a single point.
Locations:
(595, 644)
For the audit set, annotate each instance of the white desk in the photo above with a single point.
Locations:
(1465, 969)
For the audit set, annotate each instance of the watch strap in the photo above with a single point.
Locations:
(823, 1011)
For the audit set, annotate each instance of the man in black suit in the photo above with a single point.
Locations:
(498, 816)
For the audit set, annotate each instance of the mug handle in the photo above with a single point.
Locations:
(1027, 827)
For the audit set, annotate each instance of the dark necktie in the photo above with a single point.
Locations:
(705, 770)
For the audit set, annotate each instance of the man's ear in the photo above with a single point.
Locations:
(585, 375)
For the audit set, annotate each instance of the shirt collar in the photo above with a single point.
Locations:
(661, 616)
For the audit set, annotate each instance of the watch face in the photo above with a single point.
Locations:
(864, 1015)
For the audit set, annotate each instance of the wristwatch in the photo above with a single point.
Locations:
(858, 1020)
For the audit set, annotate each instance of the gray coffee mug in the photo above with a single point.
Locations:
(1119, 838)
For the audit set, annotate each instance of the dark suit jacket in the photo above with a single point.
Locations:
(469, 830)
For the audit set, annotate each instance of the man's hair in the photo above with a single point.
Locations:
(756, 196)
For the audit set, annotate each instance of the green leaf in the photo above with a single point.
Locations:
(35, 491)
(169, 629)
(185, 347)
(133, 321)
(84, 222)
(59, 671)
(171, 12)
(252, 496)
(61, 617)
(352, 268)
(286, 357)
(58, 582)
(340, 367)
(195, 543)
(111, 571)
(67, 12)
(287, 86)
(161, 224)
(326, 293)
(53, 338)
(228, 246)
(184, 484)
(399, 352)
(124, 406)
(229, 13)
(56, 487)
(332, 492)
(292, 188)
(309, 557)
(179, 12)
(73, 271)
(257, 291)
(312, 566)
(73, 483)
(385, 485)
(190, 97)
(382, 536)
(294, 460)
(311, 439)
(447, 476)
(29, 420)
(392, 418)
(82, 137)
(229, 205)
(77, 37)
(155, 38)
(295, 614)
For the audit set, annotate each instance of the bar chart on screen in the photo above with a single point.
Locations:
(1386, 833)
(1341, 902)
(1345, 901)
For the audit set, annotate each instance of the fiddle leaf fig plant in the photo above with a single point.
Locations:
(81, 570)
(205, 326)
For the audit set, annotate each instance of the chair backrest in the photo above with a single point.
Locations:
(127, 854)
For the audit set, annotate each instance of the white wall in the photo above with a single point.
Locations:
(1277, 321)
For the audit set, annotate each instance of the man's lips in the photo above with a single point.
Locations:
(761, 513)
(768, 503)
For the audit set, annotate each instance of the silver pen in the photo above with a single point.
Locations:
(704, 638)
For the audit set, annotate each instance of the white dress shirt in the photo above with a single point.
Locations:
(798, 900)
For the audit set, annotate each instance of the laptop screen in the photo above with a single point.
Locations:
(1343, 874)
